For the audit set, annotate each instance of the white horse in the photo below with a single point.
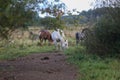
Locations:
(59, 39)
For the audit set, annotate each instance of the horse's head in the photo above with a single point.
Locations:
(45, 35)
(65, 44)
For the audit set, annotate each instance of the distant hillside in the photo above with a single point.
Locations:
(85, 16)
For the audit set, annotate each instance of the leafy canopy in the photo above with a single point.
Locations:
(19, 13)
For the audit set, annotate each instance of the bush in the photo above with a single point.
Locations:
(105, 38)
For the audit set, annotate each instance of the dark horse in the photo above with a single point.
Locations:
(45, 35)
(81, 36)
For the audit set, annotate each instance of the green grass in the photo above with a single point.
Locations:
(15, 51)
(93, 67)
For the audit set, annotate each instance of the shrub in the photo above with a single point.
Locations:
(105, 38)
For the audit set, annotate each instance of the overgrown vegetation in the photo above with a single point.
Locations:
(52, 23)
(105, 37)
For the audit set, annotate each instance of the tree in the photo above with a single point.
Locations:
(52, 23)
(14, 14)
(113, 8)
(75, 18)
(17, 13)
(55, 11)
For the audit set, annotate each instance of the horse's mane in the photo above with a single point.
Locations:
(85, 29)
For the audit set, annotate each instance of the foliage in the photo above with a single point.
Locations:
(13, 14)
(108, 34)
(105, 38)
(85, 17)
(113, 8)
(20, 13)
(75, 18)
(52, 23)
(53, 7)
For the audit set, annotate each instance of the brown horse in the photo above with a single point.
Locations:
(45, 35)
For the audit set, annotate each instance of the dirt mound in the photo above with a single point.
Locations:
(45, 66)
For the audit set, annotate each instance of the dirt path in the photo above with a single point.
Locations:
(45, 66)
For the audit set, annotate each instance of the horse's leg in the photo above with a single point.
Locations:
(49, 40)
(45, 42)
(60, 46)
(49, 43)
(41, 41)
(77, 41)
(56, 45)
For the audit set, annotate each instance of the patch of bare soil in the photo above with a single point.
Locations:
(45, 66)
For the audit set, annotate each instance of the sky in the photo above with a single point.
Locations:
(80, 5)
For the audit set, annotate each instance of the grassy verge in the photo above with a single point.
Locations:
(12, 52)
(93, 67)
